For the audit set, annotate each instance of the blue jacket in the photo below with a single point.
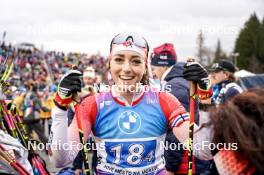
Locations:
(180, 89)
(226, 91)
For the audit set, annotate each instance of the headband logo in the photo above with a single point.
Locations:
(129, 42)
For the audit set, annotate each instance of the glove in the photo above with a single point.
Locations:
(69, 84)
(194, 72)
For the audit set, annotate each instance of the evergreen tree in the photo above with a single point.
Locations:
(219, 53)
(249, 45)
(261, 42)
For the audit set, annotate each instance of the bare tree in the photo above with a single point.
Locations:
(204, 54)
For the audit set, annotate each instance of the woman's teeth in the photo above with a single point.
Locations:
(126, 77)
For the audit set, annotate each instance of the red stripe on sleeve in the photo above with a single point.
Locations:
(88, 111)
(170, 106)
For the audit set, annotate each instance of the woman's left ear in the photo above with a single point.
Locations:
(226, 74)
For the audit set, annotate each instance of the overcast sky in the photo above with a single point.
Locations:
(89, 25)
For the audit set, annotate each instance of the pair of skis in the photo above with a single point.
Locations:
(6, 156)
(17, 130)
(6, 118)
(12, 123)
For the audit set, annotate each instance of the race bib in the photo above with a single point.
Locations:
(131, 154)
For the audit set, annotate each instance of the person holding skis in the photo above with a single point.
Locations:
(129, 121)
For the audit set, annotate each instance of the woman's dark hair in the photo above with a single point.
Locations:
(145, 78)
(241, 120)
(231, 77)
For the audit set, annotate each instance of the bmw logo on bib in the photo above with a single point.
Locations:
(129, 122)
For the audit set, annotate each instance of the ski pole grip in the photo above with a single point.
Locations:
(191, 124)
(192, 84)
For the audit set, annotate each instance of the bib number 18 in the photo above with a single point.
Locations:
(136, 154)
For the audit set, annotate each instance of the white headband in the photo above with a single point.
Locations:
(120, 47)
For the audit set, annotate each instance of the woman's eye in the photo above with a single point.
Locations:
(136, 62)
(118, 60)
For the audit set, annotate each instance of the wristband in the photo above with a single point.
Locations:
(204, 94)
(62, 102)
(64, 108)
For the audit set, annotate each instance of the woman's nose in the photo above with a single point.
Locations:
(126, 66)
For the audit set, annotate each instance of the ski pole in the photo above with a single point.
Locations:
(12, 161)
(2, 125)
(191, 125)
(13, 125)
(81, 135)
(18, 129)
(3, 65)
(23, 136)
(9, 121)
(8, 70)
(20, 123)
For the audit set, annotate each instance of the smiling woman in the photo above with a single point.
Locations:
(127, 68)
(131, 124)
